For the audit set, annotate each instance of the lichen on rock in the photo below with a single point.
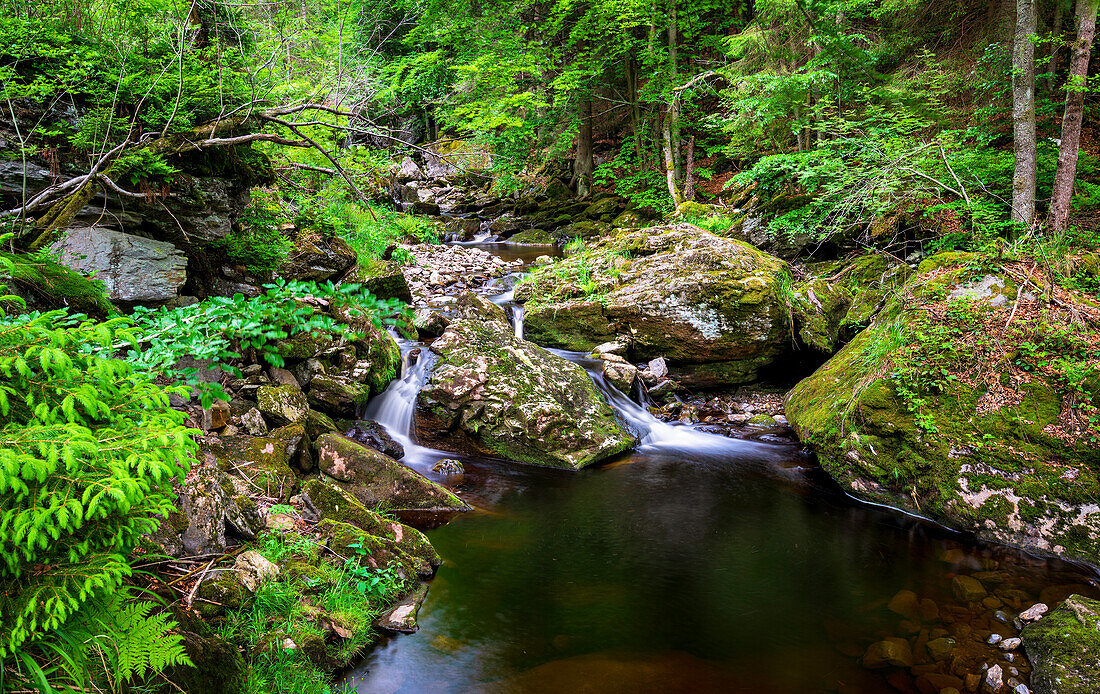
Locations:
(517, 400)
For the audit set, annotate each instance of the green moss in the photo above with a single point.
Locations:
(1064, 648)
(51, 285)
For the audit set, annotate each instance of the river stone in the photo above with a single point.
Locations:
(373, 434)
(891, 652)
(906, 604)
(253, 422)
(252, 569)
(1064, 648)
(375, 479)
(967, 589)
(711, 306)
(134, 268)
(941, 648)
(283, 404)
(337, 395)
(517, 400)
(401, 618)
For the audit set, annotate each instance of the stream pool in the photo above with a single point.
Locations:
(695, 564)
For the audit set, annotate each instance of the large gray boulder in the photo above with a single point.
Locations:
(516, 400)
(713, 307)
(134, 268)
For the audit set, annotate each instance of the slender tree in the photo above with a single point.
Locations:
(1023, 114)
(1081, 52)
(582, 164)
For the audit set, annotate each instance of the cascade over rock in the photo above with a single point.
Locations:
(711, 306)
(515, 399)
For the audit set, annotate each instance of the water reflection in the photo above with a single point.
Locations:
(672, 572)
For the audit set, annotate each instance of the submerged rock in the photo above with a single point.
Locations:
(1064, 648)
(516, 400)
(709, 305)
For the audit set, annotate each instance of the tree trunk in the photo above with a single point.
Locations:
(582, 165)
(1055, 44)
(670, 166)
(689, 170)
(1064, 176)
(635, 109)
(1023, 115)
(674, 107)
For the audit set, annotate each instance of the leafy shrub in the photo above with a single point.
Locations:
(259, 246)
(89, 449)
(221, 329)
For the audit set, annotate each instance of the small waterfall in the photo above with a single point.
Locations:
(507, 300)
(652, 432)
(395, 407)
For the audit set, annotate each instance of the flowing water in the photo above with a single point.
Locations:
(696, 563)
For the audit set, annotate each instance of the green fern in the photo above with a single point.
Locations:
(134, 642)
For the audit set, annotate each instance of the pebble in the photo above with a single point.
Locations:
(1011, 644)
(994, 639)
(994, 678)
(1034, 612)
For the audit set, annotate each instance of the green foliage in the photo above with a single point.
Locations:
(260, 245)
(223, 328)
(374, 584)
(89, 449)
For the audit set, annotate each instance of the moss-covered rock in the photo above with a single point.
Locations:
(1064, 648)
(375, 552)
(376, 479)
(333, 502)
(282, 404)
(217, 666)
(535, 237)
(818, 309)
(951, 407)
(712, 307)
(220, 593)
(384, 279)
(338, 396)
(46, 285)
(264, 461)
(519, 401)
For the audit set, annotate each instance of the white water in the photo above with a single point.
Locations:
(395, 407)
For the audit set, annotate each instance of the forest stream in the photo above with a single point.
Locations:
(695, 563)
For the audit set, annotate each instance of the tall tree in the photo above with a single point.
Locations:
(1074, 114)
(582, 164)
(1023, 115)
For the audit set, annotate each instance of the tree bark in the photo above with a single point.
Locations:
(689, 170)
(670, 166)
(635, 109)
(1066, 173)
(674, 107)
(1055, 45)
(1023, 115)
(582, 164)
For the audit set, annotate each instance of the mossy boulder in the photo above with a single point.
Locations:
(317, 258)
(220, 593)
(47, 285)
(336, 395)
(377, 480)
(534, 237)
(333, 502)
(712, 307)
(818, 309)
(263, 461)
(217, 666)
(383, 278)
(377, 553)
(518, 400)
(934, 408)
(1064, 648)
(282, 404)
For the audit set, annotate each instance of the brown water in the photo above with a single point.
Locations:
(735, 570)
